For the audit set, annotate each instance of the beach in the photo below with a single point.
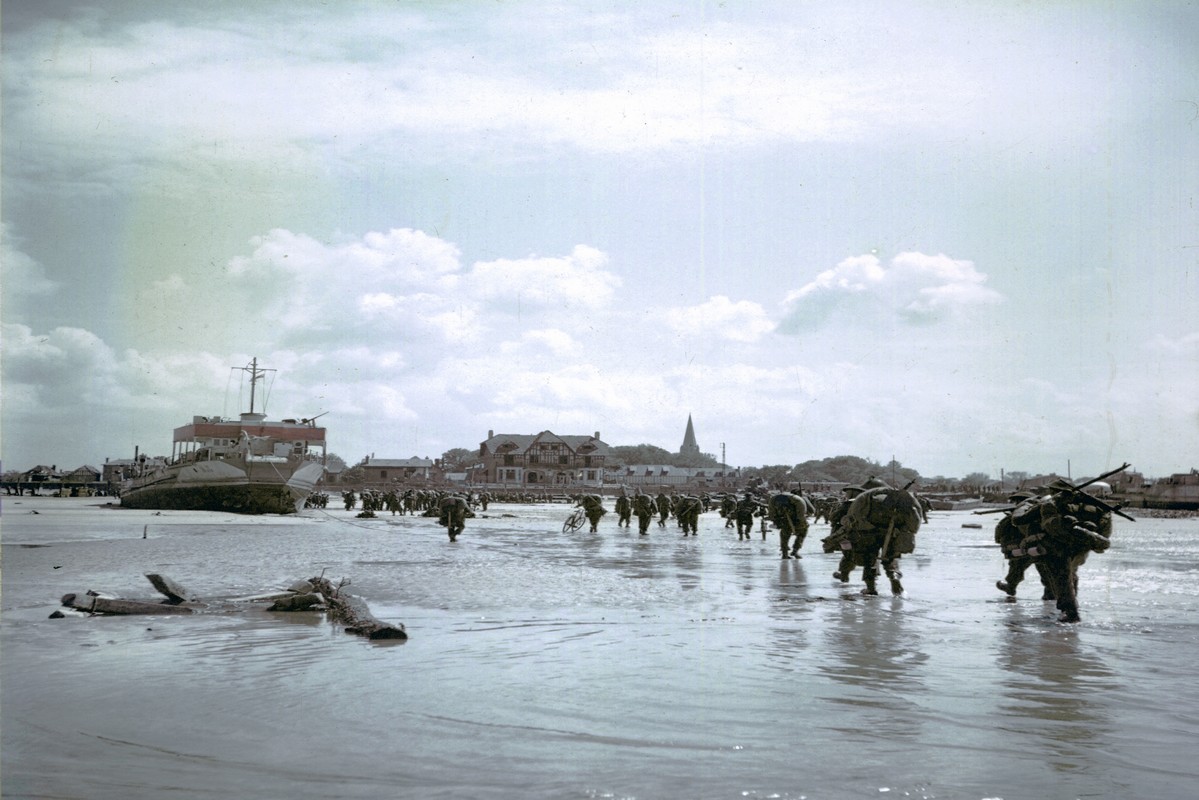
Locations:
(543, 664)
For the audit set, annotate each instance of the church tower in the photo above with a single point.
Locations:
(690, 447)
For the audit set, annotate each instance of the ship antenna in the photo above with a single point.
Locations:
(256, 375)
(253, 380)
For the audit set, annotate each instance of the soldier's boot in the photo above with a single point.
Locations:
(1006, 588)
(870, 588)
(840, 576)
(896, 586)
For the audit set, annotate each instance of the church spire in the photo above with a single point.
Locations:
(690, 446)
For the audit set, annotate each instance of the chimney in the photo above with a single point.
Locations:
(597, 434)
(490, 434)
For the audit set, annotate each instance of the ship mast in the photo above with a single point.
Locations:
(256, 375)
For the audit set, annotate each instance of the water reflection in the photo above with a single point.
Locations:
(878, 660)
(1054, 687)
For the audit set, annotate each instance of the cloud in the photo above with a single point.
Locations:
(577, 282)
(720, 317)
(914, 288)
(20, 276)
(303, 88)
(1186, 345)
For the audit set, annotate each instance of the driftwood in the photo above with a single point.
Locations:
(343, 607)
(95, 604)
(296, 602)
(353, 612)
(168, 587)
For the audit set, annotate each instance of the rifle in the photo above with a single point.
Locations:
(1095, 500)
(1078, 489)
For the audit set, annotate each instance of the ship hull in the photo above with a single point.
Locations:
(263, 488)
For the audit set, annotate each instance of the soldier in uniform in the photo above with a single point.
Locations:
(1009, 537)
(789, 513)
(728, 509)
(454, 512)
(1060, 530)
(663, 508)
(593, 507)
(836, 541)
(747, 509)
(643, 507)
(879, 526)
(624, 509)
(687, 513)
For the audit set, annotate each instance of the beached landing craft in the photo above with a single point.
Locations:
(250, 465)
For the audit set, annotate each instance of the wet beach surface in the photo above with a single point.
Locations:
(551, 665)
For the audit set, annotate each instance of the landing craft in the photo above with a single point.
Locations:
(249, 465)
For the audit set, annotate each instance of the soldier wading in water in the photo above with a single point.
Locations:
(1058, 531)
(789, 513)
(879, 525)
(454, 512)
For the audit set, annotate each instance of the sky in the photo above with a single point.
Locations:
(963, 236)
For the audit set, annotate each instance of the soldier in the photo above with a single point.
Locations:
(454, 512)
(789, 513)
(880, 526)
(663, 509)
(747, 508)
(350, 499)
(593, 507)
(643, 507)
(728, 509)
(1008, 537)
(1060, 530)
(688, 511)
(624, 509)
(836, 541)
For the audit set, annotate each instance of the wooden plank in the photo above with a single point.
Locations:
(168, 587)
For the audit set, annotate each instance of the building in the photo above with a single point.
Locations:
(390, 470)
(689, 447)
(116, 470)
(646, 476)
(84, 474)
(542, 459)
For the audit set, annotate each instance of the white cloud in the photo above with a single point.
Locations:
(1186, 345)
(20, 275)
(913, 287)
(742, 321)
(577, 282)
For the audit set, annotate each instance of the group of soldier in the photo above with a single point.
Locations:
(872, 526)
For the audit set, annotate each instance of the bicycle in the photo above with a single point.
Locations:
(575, 521)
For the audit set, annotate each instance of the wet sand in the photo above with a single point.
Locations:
(552, 665)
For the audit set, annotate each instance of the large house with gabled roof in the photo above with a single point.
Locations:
(542, 459)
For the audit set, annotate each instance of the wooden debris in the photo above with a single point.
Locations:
(354, 613)
(297, 602)
(95, 604)
(342, 607)
(168, 587)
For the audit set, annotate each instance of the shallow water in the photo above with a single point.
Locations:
(551, 665)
